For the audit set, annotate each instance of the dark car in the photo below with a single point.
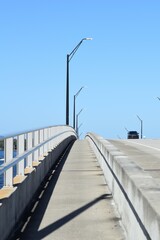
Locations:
(133, 135)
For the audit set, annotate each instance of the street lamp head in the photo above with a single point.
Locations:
(79, 112)
(139, 118)
(87, 38)
(78, 91)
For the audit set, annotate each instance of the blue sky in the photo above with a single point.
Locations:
(120, 67)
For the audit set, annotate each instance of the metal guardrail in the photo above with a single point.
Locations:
(31, 146)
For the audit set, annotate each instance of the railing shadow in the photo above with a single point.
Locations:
(42, 198)
(62, 221)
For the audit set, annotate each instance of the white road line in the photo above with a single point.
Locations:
(158, 149)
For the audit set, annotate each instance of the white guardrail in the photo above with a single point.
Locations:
(31, 146)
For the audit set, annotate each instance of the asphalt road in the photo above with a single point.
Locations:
(144, 152)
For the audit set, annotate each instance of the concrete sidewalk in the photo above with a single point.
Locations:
(78, 206)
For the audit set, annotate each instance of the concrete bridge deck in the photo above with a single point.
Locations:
(75, 202)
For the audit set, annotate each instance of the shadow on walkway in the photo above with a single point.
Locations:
(59, 223)
(34, 215)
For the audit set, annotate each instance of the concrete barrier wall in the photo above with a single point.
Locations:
(130, 186)
(13, 206)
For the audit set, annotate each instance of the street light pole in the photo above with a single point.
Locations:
(78, 130)
(141, 126)
(69, 57)
(77, 120)
(67, 92)
(126, 129)
(74, 106)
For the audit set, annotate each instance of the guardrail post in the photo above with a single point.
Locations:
(41, 138)
(49, 135)
(52, 131)
(48, 144)
(45, 138)
(28, 147)
(35, 142)
(8, 155)
(20, 150)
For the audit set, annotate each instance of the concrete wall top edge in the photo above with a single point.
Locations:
(142, 190)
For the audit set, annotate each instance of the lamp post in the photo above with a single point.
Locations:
(141, 126)
(126, 129)
(80, 134)
(77, 115)
(69, 57)
(78, 130)
(74, 106)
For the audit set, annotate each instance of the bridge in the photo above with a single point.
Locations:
(60, 187)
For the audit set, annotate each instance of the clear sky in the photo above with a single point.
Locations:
(120, 67)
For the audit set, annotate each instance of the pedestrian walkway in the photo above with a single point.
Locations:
(78, 206)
